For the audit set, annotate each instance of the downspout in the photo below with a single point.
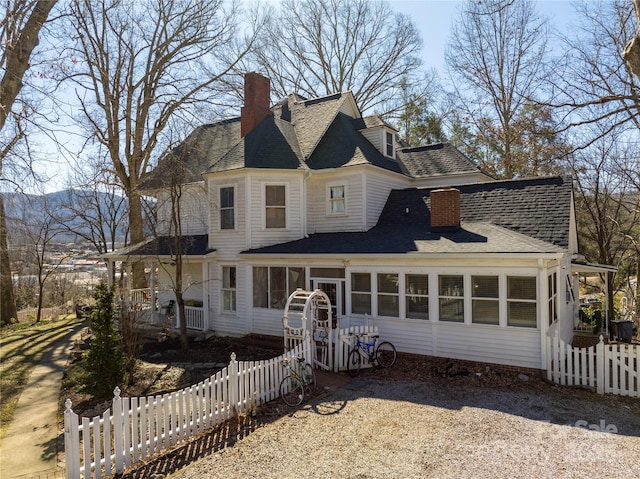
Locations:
(305, 192)
(544, 312)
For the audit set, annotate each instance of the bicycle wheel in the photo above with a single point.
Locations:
(354, 361)
(291, 391)
(386, 354)
(309, 378)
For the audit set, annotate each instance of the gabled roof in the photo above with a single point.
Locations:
(271, 144)
(437, 159)
(516, 216)
(342, 145)
(304, 133)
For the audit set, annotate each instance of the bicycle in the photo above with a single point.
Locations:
(384, 354)
(300, 378)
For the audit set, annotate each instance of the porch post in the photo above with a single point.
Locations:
(606, 309)
(152, 286)
(205, 294)
(110, 266)
(543, 291)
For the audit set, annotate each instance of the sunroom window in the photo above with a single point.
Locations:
(485, 304)
(388, 295)
(361, 293)
(521, 301)
(417, 296)
(451, 298)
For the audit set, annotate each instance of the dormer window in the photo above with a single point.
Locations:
(389, 146)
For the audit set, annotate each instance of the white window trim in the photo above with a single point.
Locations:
(223, 289)
(329, 200)
(263, 188)
(384, 142)
(535, 301)
(235, 208)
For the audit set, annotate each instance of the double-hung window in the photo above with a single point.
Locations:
(275, 206)
(336, 200)
(228, 289)
(227, 208)
(388, 144)
(521, 301)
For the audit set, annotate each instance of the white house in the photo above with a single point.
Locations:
(418, 240)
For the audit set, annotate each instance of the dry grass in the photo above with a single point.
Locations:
(21, 349)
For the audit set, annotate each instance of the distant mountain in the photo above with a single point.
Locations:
(78, 211)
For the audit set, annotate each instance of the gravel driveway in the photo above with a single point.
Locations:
(373, 428)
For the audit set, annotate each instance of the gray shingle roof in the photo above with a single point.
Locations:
(435, 160)
(301, 133)
(192, 245)
(517, 216)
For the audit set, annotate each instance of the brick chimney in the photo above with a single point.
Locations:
(257, 99)
(445, 209)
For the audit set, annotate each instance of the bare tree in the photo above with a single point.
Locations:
(495, 58)
(39, 230)
(173, 175)
(631, 52)
(594, 84)
(95, 209)
(141, 66)
(19, 35)
(606, 207)
(321, 47)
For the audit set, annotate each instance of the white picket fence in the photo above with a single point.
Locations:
(609, 368)
(136, 428)
(345, 343)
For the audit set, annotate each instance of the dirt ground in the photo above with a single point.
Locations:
(164, 367)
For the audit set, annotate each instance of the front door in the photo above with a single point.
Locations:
(334, 290)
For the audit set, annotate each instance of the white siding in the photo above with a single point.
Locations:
(508, 346)
(267, 321)
(194, 210)
(259, 234)
(374, 135)
(378, 185)
(228, 242)
(319, 219)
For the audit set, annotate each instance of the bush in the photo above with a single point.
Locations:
(105, 361)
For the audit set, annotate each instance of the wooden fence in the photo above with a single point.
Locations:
(136, 428)
(31, 313)
(609, 368)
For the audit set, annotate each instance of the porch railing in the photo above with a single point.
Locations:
(195, 318)
(140, 296)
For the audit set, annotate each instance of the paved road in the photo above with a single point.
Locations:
(30, 448)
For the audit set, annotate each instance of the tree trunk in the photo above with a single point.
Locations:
(8, 311)
(17, 60)
(136, 232)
